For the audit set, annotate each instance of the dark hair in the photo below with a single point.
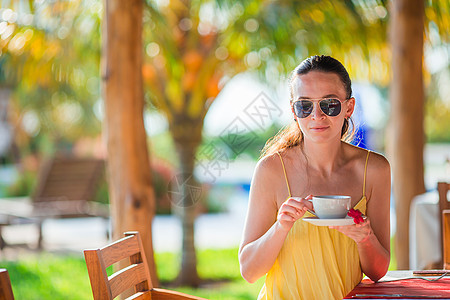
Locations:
(326, 64)
(291, 135)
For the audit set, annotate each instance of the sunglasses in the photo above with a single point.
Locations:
(330, 106)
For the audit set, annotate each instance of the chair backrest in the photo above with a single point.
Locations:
(444, 204)
(446, 238)
(6, 292)
(68, 178)
(66, 183)
(135, 275)
(443, 188)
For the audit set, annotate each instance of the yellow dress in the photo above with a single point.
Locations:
(315, 262)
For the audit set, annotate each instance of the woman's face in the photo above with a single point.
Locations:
(314, 85)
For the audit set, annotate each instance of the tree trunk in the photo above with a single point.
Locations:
(187, 137)
(130, 183)
(407, 114)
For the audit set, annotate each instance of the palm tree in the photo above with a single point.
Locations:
(49, 55)
(130, 181)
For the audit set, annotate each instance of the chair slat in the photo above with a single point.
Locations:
(6, 292)
(140, 257)
(444, 204)
(127, 278)
(147, 295)
(163, 294)
(97, 275)
(136, 275)
(71, 178)
(119, 250)
(446, 238)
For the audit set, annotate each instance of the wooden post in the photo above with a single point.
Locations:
(406, 129)
(130, 183)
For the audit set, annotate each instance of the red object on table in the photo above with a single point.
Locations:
(402, 289)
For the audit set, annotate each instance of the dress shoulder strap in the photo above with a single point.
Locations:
(365, 172)
(285, 175)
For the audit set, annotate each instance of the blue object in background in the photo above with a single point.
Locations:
(360, 139)
(246, 187)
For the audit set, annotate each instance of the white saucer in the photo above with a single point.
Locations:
(329, 222)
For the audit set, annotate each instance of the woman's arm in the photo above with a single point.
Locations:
(374, 250)
(373, 236)
(265, 230)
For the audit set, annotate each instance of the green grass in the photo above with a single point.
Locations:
(217, 265)
(393, 262)
(49, 276)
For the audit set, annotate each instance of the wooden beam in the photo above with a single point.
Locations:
(406, 129)
(130, 181)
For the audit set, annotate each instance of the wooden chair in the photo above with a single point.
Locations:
(136, 275)
(6, 292)
(444, 205)
(66, 188)
(446, 238)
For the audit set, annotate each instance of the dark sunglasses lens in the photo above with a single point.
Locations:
(303, 108)
(330, 107)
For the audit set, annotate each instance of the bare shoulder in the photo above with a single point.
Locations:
(265, 189)
(269, 165)
(378, 164)
(378, 172)
(378, 178)
(268, 179)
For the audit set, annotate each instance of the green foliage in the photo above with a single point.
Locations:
(162, 145)
(437, 109)
(437, 122)
(102, 194)
(24, 185)
(52, 66)
(255, 141)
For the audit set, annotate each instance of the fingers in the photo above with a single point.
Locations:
(286, 217)
(286, 221)
(293, 209)
(290, 210)
(300, 203)
(294, 202)
(365, 223)
(357, 232)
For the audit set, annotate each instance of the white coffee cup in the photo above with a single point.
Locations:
(331, 206)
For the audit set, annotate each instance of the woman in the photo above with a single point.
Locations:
(301, 260)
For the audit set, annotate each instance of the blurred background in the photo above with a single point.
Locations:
(215, 89)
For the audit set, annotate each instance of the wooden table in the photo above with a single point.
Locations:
(402, 285)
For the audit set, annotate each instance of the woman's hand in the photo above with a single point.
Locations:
(293, 209)
(358, 232)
